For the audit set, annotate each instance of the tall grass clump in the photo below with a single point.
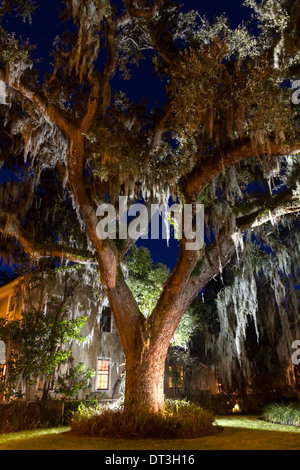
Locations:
(178, 420)
(280, 413)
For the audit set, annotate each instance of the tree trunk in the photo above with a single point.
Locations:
(144, 385)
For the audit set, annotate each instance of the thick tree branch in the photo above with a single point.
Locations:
(92, 105)
(194, 183)
(110, 67)
(184, 285)
(128, 318)
(268, 209)
(12, 228)
(160, 127)
(50, 112)
(220, 253)
(168, 310)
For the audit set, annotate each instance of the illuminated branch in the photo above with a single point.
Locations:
(220, 253)
(50, 112)
(92, 106)
(269, 210)
(194, 183)
(184, 284)
(160, 127)
(10, 227)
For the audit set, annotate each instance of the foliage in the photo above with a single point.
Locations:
(179, 420)
(146, 280)
(76, 379)
(23, 8)
(37, 344)
(282, 413)
(188, 326)
(39, 414)
(234, 97)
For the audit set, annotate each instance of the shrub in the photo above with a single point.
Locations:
(178, 420)
(288, 414)
(23, 415)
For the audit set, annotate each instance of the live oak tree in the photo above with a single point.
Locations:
(227, 111)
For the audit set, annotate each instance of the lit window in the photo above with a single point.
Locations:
(103, 374)
(175, 377)
(41, 381)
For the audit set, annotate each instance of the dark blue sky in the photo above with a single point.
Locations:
(45, 27)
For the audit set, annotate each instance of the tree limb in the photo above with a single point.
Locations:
(50, 112)
(269, 209)
(194, 183)
(184, 285)
(221, 252)
(110, 67)
(92, 105)
(160, 127)
(13, 229)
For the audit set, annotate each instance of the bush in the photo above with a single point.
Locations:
(22, 416)
(288, 414)
(178, 420)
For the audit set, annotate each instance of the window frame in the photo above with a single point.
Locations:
(174, 383)
(103, 359)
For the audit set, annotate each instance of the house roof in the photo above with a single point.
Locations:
(7, 289)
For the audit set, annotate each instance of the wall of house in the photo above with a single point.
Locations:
(10, 308)
(202, 378)
(98, 346)
(189, 380)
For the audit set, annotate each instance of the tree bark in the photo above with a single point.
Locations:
(144, 387)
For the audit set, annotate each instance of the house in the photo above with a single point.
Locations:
(78, 292)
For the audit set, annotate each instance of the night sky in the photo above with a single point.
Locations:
(46, 26)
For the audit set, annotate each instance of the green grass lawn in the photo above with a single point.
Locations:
(237, 433)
